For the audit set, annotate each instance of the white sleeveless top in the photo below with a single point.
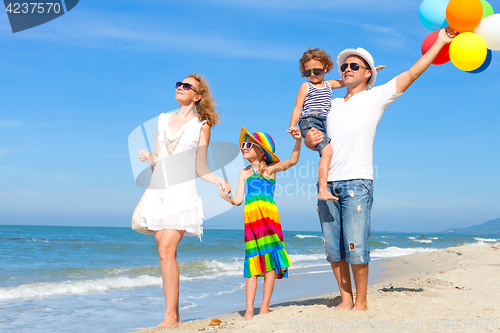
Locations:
(171, 201)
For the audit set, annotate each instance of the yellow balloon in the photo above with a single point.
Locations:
(468, 51)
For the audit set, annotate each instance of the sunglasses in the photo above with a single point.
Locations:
(354, 66)
(315, 71)
(248, 145)
(186, 86)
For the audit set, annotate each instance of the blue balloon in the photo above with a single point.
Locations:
(432, 14)
(485, 64)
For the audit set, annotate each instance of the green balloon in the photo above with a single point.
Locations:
(487, 9)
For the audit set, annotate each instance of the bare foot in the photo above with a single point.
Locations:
(360, 306)
(263, 311)
(344, 306)
(325, 195)
(247, 316)
(168, 324)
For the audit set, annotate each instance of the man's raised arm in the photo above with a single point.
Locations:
(404, 80)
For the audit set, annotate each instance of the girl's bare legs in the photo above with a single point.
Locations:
(323, 166)
(251, 288)
(167, 241)
(269, 280)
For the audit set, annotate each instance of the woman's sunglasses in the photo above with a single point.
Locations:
(248, 145)
(186, 86)
(315, 71)
(354, 66)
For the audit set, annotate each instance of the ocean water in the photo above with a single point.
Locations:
(87, 279)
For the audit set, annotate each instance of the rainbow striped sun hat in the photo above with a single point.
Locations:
(264, 140)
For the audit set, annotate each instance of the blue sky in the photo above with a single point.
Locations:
(72, 91)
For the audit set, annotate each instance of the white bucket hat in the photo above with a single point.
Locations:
(360, 52)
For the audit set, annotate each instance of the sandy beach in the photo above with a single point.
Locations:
(453, 289)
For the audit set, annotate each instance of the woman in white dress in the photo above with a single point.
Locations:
(171, 207)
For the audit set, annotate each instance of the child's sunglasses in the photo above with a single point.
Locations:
(186, 86)
(354, 66)
(248, 145)
(315, 71)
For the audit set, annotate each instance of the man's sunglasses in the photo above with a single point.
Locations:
(354, 66)
(186, 86)
(248, 145)
(315, 71)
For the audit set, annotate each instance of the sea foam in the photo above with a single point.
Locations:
(306, 257)
(485, 239)
(394, 251)
(424, 241)
(45, 289)
(306, 236)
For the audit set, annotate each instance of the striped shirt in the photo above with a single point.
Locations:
(317, 100)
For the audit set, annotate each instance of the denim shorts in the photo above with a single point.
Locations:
(346, 223)
(318, 122)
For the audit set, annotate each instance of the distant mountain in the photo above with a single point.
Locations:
(487, 228)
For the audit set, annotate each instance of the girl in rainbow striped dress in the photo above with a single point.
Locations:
(265, 254)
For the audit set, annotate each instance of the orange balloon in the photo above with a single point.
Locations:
(464, 15)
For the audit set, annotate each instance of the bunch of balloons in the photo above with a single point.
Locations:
(476, 24)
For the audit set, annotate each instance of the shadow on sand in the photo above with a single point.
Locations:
(329, 302)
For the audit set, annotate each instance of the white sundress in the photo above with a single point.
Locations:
(171, 200)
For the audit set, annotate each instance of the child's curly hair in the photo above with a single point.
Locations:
(316, 54)
(206, 105)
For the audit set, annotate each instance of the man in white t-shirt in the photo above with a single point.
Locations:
(351, 126)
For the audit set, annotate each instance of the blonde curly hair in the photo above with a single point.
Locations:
(316, 54)
(205, 107)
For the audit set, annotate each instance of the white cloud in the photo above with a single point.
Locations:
(387, 5)
(158, 34)
(388, 37)
(145, 35)
(8, 123)
(60, 178)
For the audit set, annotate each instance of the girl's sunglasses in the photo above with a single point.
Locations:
(186, 86)
(315, 71)
(248, 145)
(354, 66)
